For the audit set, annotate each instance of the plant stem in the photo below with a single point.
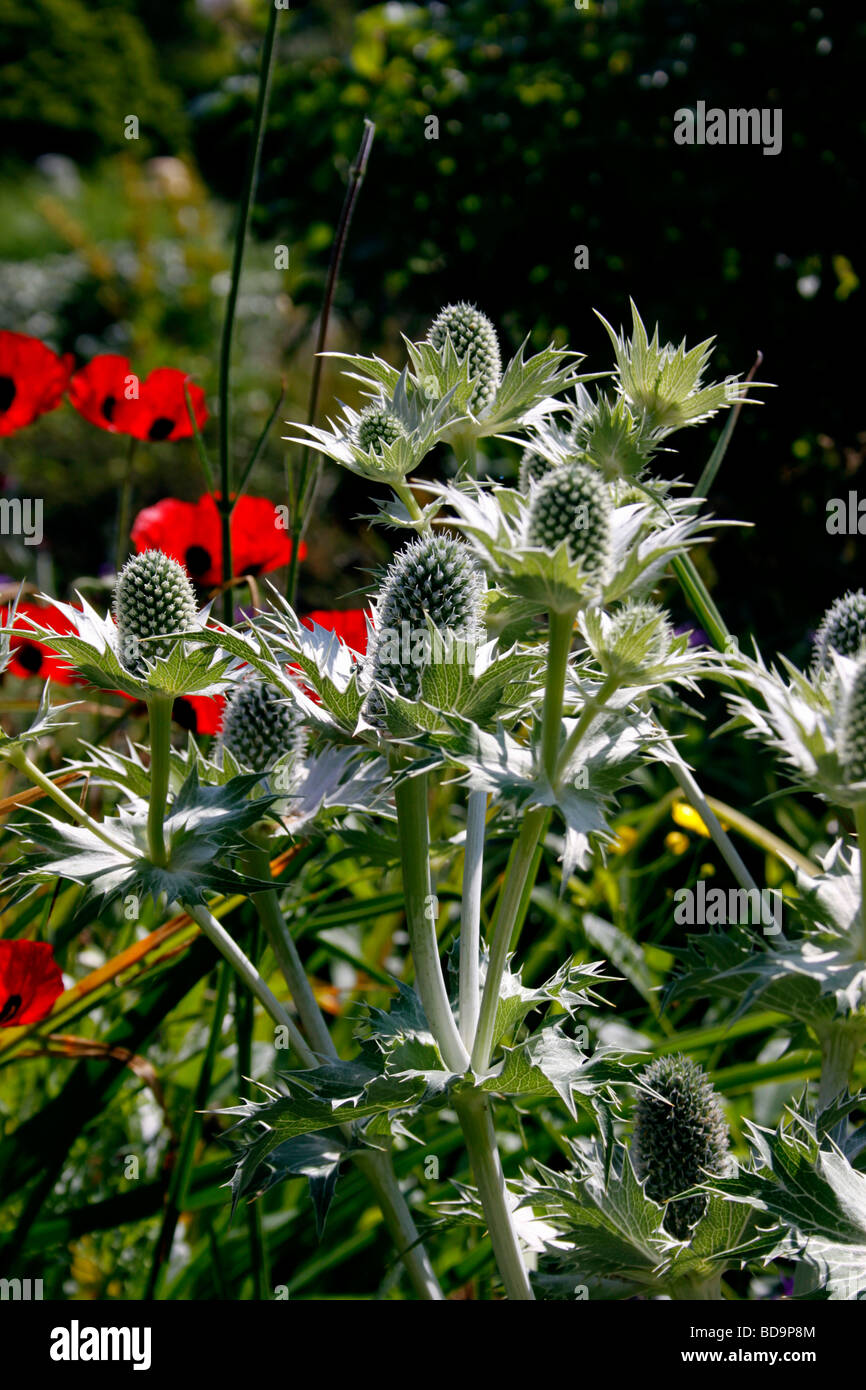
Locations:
(559, 646)
(404, 492)
(860, 827)
(244, 968)
(267, 905)
(159, 710)
(414, 837)
(840, 1047)
(18, 758)
(524, 860)
(124, 508)
(476, 1121)
(719, 837)
(303, 491)
(379, 1172)
(470, 916)
(763, 838)
(247, 197)
(587, 714)
(507, 909)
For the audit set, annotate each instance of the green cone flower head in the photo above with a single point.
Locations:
(572, 504)
(852, 737)
(678, 1138)
(639, 635)
(153, 596)
(473, 337)
(378, 427)
(259, 727)
(533, 467)
(842, 630)
(435, 577)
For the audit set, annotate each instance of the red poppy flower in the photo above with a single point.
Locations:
(96, 389)
(201, 714)
(32, 380)
(190, 532)
(30, 981)
(110, 394)
(350, 625)
(30, 657)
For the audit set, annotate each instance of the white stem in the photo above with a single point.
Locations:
(470, 916)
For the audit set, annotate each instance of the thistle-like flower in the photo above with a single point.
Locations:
(433, 580)
(378, 427)
(852, 729)
(260, 726)
(572, 505)
(474, 341)
(533, 467)
(612, 438)
(842, 630)
(680, 1135)
(663, 385)
(154, 596)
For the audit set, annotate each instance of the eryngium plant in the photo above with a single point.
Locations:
(572, 505)
(260, 726)
(378, 427)
(680, 1135)
(154, 597)
(434, 578)
(852, 737)
(473, 338)
(842, 630)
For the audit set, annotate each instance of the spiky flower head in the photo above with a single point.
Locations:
(842, 630)
(680, 1135)
(473, 337)
(434, 577)
(852, 735)
(153, 596)
(643, 626)
(379, 426)
(533, 467)
(259, 726)
(572, 504)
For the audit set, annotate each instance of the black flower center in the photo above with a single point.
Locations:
(183, 713)
(7, 393)
(197, 561)
(10, 1008)
(107, 408)
(30, 657)
(161, 428)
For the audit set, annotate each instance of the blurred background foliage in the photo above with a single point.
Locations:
(555, 130)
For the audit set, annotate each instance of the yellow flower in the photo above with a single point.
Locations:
(686, 816)
(625, 838)
(676, 842)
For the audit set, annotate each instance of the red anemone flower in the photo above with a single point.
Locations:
(30, 657)
(108, 393)
(350, 625)
(201, 714)
(30, 981)
(32, 380)
(191, 533)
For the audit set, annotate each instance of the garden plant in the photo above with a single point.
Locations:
(343, 864)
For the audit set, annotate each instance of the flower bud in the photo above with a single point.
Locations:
(436, 577)
(572, 504)
(259, 725)
(473, 337)
(533, 467)
(378, 427)
(852, 737)
(842, 630)
(642, 627)
(678, 1138)
(153, 596)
